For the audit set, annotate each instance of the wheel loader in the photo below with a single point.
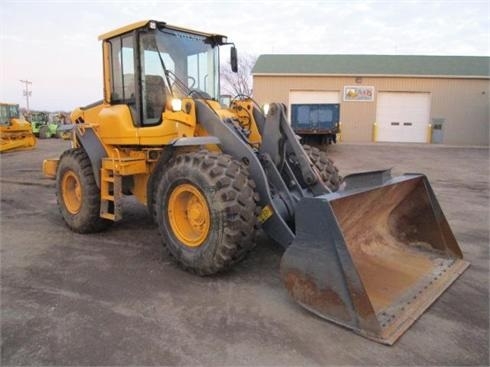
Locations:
(369, 252)
(15, 133)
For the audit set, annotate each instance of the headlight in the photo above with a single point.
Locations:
(176, 105)
(265, 108)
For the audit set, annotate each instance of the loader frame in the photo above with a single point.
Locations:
(210, 175)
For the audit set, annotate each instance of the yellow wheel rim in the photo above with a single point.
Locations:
(188, 214)
(71, 192)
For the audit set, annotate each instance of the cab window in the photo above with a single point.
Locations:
(122, 59)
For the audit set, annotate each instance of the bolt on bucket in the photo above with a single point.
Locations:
(372, 259)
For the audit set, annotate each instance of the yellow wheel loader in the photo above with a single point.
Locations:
(15, 134)
(370, 252)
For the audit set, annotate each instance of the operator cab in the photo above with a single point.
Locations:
(147, 64)
(8, 112)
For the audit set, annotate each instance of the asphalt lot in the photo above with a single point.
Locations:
(116, 298)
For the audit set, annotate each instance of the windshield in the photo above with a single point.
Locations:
(185, 61)
(7, 112)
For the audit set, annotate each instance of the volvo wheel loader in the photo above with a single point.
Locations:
(15, 133)
(370, 252)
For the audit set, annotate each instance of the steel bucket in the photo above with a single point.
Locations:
(372, 258)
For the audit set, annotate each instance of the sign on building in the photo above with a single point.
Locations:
(358, 93)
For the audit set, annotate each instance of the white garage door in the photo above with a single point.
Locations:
(403, 117)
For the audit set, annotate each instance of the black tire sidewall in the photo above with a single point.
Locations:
(43, 132)
(88, 219)
(329, 173)
(229, 236)
(204, 252)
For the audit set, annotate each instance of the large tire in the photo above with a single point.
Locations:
(44, 132)
(205, 208)
(77, 193)
(325, 166)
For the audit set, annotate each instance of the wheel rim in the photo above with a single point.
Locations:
(189, 216)
(72, 192)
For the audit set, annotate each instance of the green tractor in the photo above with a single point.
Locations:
(41, 127)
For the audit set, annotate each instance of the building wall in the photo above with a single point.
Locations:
(462, 103)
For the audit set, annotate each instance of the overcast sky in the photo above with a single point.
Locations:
(54, 43)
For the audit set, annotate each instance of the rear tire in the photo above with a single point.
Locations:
(77, 193)
(43, 132)
(325, 166)
(205, 208)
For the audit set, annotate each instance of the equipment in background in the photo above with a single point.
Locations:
(316, 123)
(41, 125)
(15, 133)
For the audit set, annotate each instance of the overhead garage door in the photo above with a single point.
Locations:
(403, 117)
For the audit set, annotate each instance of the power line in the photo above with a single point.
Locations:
(26, 92)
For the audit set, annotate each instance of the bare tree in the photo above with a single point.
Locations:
(239, 83)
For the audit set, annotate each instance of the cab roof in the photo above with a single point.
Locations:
(145, 23)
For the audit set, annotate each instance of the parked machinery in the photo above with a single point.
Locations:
(42, 127)
(316, 123)
(371, 252)
(15, 133)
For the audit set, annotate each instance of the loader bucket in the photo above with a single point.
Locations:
(372, 259)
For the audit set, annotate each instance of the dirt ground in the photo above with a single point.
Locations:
(116, 298)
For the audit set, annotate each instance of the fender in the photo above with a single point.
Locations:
(89, 141)
(167, 154)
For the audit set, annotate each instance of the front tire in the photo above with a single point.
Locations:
(206, 211)
(325, 166)
(77, 193)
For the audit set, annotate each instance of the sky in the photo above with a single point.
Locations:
(54, 44)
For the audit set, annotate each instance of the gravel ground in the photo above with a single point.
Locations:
(116, 298)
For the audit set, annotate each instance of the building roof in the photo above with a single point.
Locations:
(375, 65)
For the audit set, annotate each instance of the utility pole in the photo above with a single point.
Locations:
(26, 92)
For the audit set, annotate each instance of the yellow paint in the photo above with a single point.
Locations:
(243, 110)
(71, 192)
(125, 29)
(265, 214)
(184, 121)
(140, 187)
(17, 134)
(189, 215)
(375, 132)
(110, 117)
(339, 134)
(107, 74)
(49, 167)
(429, 133)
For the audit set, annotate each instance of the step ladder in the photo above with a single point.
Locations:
(110, 194)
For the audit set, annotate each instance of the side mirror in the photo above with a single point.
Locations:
(233, 59)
